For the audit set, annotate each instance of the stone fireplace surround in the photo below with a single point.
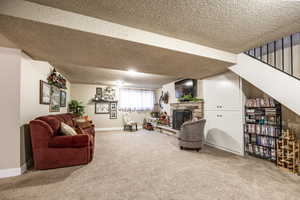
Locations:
(195, 107)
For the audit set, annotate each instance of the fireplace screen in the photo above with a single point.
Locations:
(179, 117)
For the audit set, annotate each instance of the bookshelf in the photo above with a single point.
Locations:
(262, 127)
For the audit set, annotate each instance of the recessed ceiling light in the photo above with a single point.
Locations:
(119, 83)
(132, 72)
(189, 83)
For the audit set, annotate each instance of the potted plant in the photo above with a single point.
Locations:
(189, 97)
(77, 108)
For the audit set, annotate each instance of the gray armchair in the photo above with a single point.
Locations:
(191, 134)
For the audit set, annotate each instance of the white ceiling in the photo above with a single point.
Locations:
(230, 25)
(103, 76)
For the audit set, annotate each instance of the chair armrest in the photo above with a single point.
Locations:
(67, 141)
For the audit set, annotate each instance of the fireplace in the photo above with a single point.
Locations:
(181, 116)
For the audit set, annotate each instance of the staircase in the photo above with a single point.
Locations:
(275, 69)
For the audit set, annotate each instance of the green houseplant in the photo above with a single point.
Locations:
(189, 97)
(76, 107)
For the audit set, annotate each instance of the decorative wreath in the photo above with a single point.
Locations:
(166, 98)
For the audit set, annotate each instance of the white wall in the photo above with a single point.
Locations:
(19, 82)
(170, 88)
(31, 73)
(10, 109)
(85, 93)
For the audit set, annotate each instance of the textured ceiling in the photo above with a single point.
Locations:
(92, 75)
(4, 42)
(66, 47)
(231, 25)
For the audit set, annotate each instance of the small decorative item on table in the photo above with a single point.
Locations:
(83, 124)
(86, 118)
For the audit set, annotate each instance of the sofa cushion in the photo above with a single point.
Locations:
(67, 118)
(66, 129)
(69, 141)
(53, 123)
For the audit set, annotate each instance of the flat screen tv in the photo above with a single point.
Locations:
(185, 87)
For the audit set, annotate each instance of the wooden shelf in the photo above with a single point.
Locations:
(262, 145)
(262, 124)
(260, 107)
(260, 135)
(288, 148)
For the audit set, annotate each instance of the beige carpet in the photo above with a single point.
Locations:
(149, 166)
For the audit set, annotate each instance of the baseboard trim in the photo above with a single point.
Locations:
(5, 173)
(109, 129)
(224, 149)
(112, 129)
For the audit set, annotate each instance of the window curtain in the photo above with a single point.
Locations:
(136, 100)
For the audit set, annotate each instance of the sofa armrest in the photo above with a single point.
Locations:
(89, 130)
(80, 130)
(86, 124)
(67, 141)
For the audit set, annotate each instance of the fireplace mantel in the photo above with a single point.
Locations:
(195, 107)
(187, 104)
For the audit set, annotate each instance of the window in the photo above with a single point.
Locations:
(136, 100)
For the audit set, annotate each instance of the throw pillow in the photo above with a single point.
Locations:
(67, 130)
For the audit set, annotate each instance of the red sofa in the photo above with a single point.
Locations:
(51, 149)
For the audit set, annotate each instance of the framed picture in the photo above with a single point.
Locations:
(63, 98)
(55, 99)
(99, 91)
(113, 114)
(109, 94)
(102, 108)
(45, 93)
(113, 106)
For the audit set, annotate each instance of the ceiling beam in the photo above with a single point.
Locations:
(48, 15)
